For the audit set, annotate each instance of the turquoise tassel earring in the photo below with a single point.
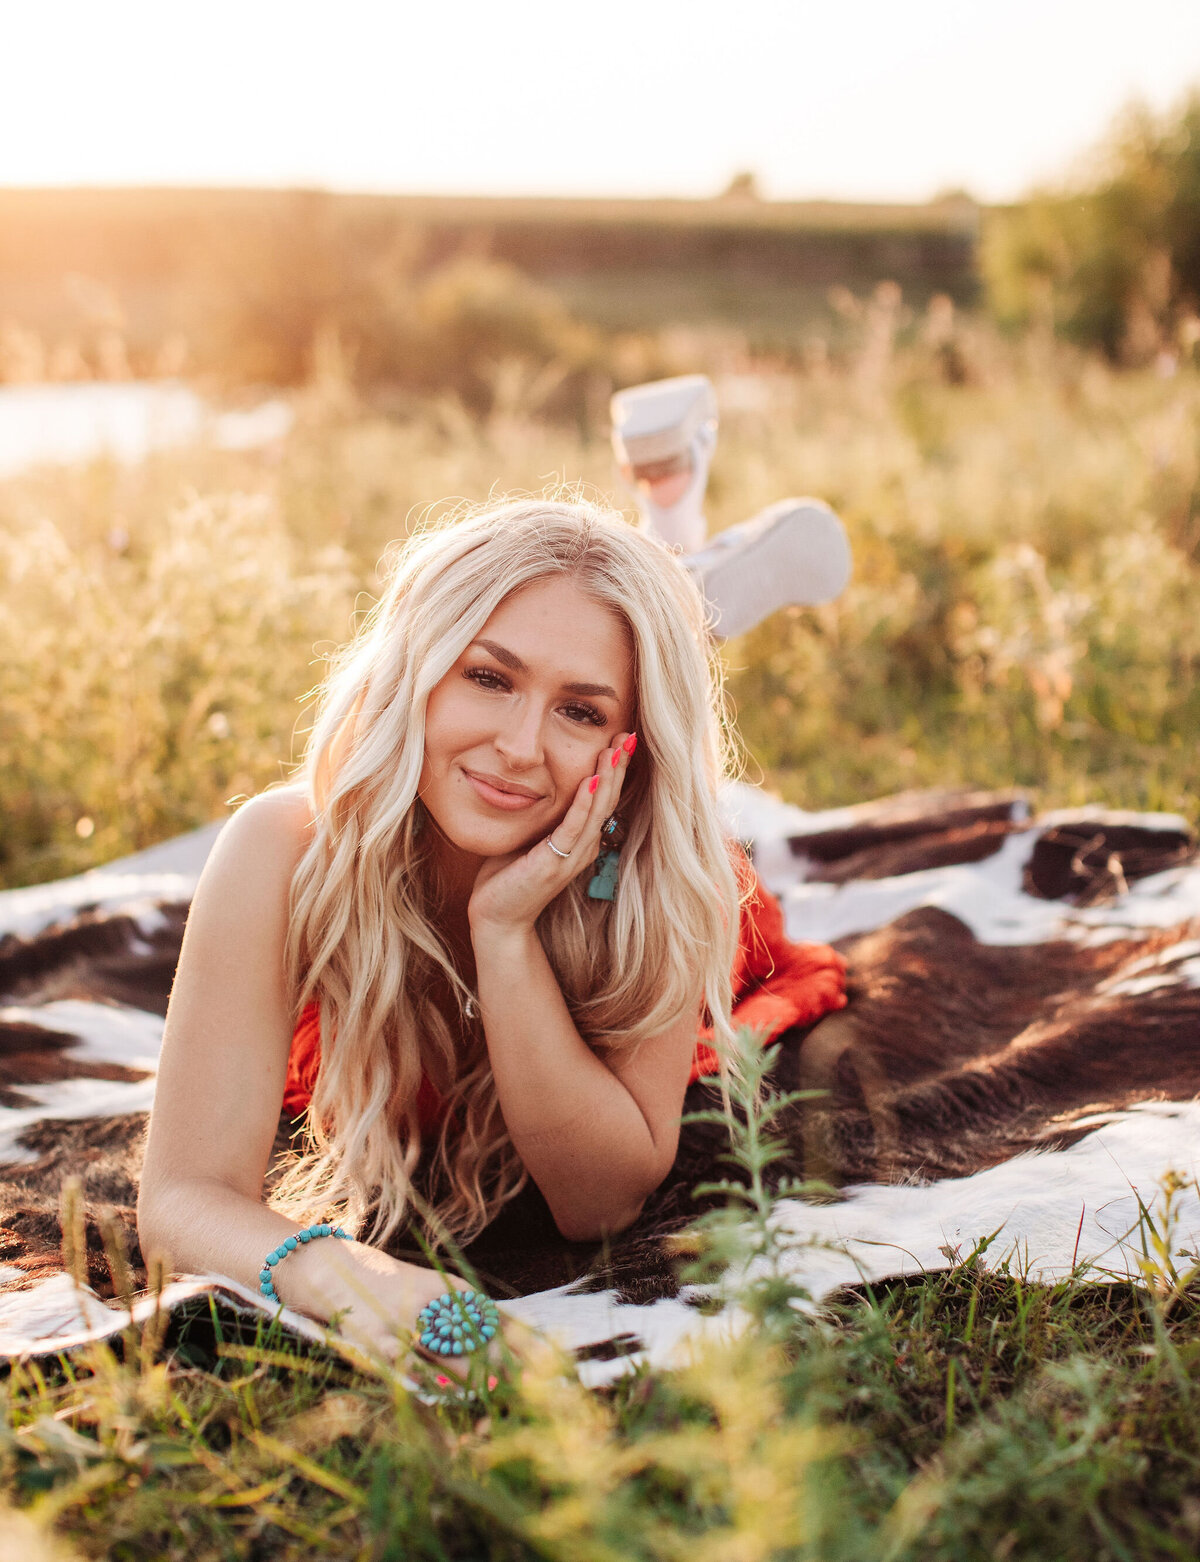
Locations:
(604, 881)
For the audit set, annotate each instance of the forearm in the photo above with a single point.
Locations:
(205, 1227)
(578, 1131)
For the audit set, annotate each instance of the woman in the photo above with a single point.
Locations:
(425, 902)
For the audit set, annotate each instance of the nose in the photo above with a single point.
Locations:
(519, 738)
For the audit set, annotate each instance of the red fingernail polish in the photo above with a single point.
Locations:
(616, 757)
(630, 743)
(593, 783)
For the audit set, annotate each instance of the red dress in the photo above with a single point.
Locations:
(776, 984)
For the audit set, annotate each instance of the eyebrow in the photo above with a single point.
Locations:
(512, 661)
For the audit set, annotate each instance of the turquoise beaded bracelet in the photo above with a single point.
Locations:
(266, 1283)
(456, 1323)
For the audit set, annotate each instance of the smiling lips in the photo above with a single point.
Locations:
(502, 794)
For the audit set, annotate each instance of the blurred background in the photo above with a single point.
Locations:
(275, 280)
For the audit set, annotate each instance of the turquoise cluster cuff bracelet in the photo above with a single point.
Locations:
(266, 1281)
(456, 1323)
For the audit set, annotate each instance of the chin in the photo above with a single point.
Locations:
(489, 838)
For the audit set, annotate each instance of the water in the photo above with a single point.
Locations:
(69, 423)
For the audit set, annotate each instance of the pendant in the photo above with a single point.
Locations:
(604, 880)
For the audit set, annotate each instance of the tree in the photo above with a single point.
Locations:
(1112, 259)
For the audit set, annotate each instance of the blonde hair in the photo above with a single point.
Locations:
(362, 941)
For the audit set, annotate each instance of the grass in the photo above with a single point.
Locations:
(968, 1415)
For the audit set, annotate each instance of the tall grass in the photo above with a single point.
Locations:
(1025, 522)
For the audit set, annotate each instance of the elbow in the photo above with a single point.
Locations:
(166, 1216)
(587, 1226)
(587, 1220)
(152, 1220)
(149, 1227)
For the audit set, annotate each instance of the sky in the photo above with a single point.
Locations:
(872, 100)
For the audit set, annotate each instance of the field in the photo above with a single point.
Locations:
(1026, 522)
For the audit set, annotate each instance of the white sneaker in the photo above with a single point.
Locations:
(793, 553)
(655, 424)
(663, 436)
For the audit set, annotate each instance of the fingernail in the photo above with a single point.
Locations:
(616, 757)
(630, 743)
(593, 783)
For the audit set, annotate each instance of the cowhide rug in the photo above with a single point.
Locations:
(1020, 1055)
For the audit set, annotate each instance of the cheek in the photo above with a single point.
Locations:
(579, 757)
(453, 708)
(443, 727)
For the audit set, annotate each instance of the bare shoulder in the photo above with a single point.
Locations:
(267, 836)
(237, 925)
(280, 818)
(247, 879)
(230, 1021)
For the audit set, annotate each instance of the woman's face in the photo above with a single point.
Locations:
(522, 717)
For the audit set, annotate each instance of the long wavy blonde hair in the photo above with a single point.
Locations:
(364, 940)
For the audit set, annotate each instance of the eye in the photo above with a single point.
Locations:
(576, 711)
(486, 678)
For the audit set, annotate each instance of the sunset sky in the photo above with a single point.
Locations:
(873, 100)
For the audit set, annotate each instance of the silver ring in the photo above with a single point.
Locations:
(555, 849)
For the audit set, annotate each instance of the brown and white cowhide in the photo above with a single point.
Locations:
(1020, 1055)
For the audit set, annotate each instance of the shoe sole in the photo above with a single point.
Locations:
(794, 553)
